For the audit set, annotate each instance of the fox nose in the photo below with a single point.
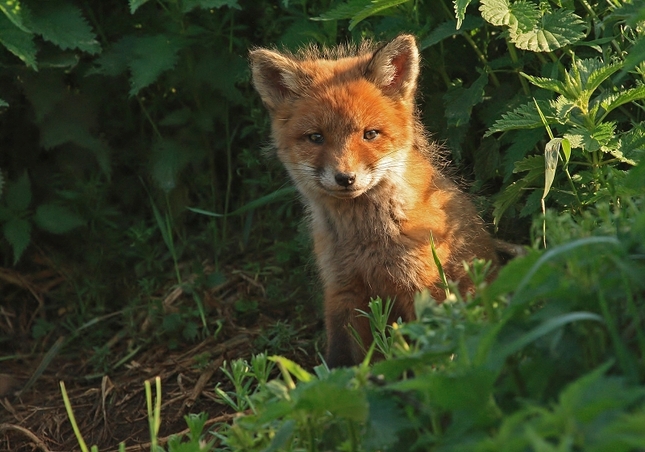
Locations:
(345, 179)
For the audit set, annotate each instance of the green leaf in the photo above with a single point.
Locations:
(591, 140)
(57, 219)
(600, 72)
(636, 54)
(293, 368)
(3, 103)
(525, 116)
(546, 83)
(496, 12)
(19, 194)
(623, 97)
(64, 25)
(554, 30)
(460, 101)
(136, 4)
(460, 11)
(17, 232)
(151, 56)
(18, 42)
(13, 10)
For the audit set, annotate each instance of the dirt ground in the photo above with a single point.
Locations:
(111, 408)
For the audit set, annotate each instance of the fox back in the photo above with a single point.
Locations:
(345, 126)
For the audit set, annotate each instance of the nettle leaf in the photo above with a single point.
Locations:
(555, 30)
(623, 97)
(17, 232)
(151, 56)
(18, 194)
(18, 42)
(115, 60)
(594, 71)
(496, 12)
(13, 10)
(460, 11)
(57, 219)
(460, 101)
(189, 5)
(591, 140)
(64, 25)
(523, 117)
(546, 83)
(631, 145)
(522, 15)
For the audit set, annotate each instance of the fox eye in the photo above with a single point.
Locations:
(369, 135)
(316, 138)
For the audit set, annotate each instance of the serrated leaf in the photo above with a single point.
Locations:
(496, 12)
(554, 30)
(623, 97)
(525, 116)
(18, 42)
(524, 15)
(136, 4)
(14, 11)
(57, 219)
(64, 25)
(115, 60)
(460, 11)
(591, 140)
(189, 5)
(18, 194)
(17, 232)
(599, 74)
(546, 83)
(152, 55)
(460, 101)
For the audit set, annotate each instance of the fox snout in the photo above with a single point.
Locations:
(345, 179)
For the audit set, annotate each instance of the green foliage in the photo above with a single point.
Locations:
(125, 121)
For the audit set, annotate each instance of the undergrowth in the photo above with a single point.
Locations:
(132, 150)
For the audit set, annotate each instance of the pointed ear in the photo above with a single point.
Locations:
(276, 77)
(395, 67)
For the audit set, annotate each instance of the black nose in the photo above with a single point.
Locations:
(345, 179)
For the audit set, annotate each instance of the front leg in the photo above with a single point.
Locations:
(341, 304)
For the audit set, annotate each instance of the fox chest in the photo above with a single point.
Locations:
(367, 243)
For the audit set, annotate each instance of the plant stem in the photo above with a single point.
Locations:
(513, 53)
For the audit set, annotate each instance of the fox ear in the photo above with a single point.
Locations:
(275, 77)
(395, 67)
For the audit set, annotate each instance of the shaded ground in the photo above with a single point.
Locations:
(111, 408)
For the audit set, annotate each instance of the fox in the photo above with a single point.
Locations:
(345, 125)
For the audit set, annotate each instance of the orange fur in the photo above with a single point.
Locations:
(345, 125)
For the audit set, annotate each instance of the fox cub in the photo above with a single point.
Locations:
(346, 127)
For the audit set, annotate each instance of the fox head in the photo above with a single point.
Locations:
(342, 121)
